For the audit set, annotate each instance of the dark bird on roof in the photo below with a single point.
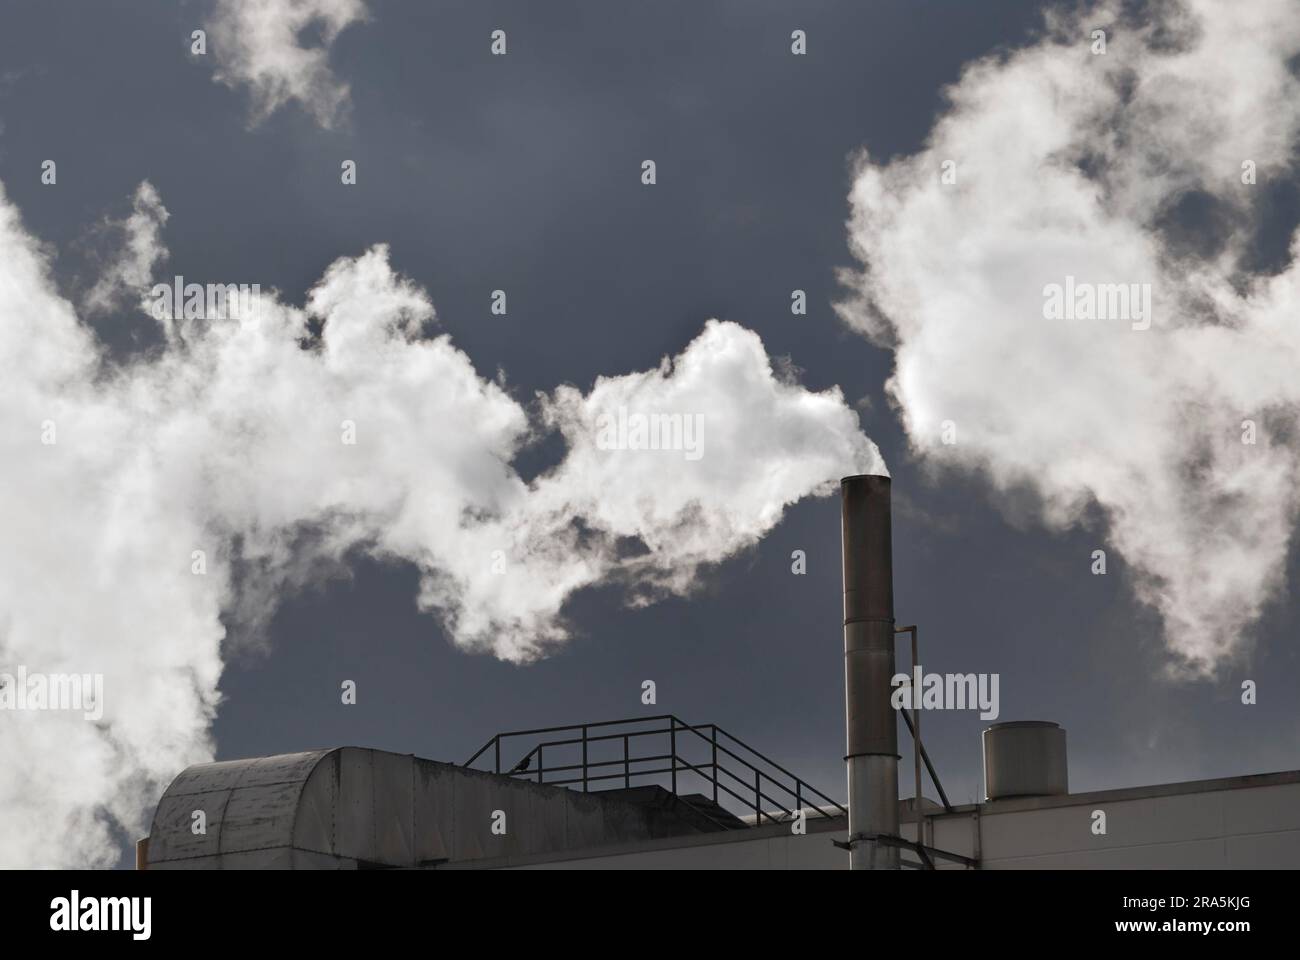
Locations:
(522, 765)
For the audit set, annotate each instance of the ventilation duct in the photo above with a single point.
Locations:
(1024, 758)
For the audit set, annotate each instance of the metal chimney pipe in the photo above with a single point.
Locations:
(872, 727)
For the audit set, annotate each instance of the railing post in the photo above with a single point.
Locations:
(672, 749)
(715, 764)
(784, 780)
(915, 728)
(916, 739)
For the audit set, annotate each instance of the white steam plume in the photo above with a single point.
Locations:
(229, 439)
(139, 248)
(257, 44)
(1071, 163)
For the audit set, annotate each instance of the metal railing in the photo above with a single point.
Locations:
(925, 854)
(725, 755)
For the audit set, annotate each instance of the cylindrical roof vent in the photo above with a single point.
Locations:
(1024, 758)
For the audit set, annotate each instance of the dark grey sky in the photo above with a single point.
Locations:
(522, 173)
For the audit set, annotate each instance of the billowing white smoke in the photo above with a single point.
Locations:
(137, 248)
(1070, 163)
(233, 440)
(257, 44)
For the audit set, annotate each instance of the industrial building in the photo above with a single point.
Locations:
(659, 792)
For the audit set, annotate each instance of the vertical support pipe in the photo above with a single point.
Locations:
(916, 738)
(672, 748)
(584, 758)
(627, 766)
(915, 721)
(715, 764)
(497, 745)
(915, 728)
(872, 728)
(540, 765)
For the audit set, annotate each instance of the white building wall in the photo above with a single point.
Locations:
(1249, 823)
(1254, 827)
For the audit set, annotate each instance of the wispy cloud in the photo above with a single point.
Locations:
(258, 45)
(137, 249)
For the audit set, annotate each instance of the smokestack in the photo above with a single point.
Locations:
(872, 758)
